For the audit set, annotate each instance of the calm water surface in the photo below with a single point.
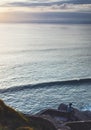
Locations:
(33, 54)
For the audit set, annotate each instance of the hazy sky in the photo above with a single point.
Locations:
(71, 11)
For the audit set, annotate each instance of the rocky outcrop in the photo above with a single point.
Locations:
(48, 119)
(42, 123)
(60, 118)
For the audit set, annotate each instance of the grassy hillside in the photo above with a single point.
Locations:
(13, 120)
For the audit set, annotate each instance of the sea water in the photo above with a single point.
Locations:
(43, 65)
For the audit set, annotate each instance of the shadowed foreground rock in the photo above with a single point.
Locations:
(48, 119)
(81, 125)
(13, 120)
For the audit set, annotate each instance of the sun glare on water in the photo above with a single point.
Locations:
(14, 14)
(3, 14)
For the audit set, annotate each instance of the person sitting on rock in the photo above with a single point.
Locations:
(70, 111)
(70, 108)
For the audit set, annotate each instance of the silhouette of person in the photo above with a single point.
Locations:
(70, 111)
(70, 108)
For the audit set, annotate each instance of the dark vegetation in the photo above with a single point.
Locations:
(13, 120)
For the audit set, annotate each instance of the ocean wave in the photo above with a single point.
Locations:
(47, 85)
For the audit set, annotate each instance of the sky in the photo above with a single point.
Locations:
(45, 11)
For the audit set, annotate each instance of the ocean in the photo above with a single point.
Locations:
(43, 65)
